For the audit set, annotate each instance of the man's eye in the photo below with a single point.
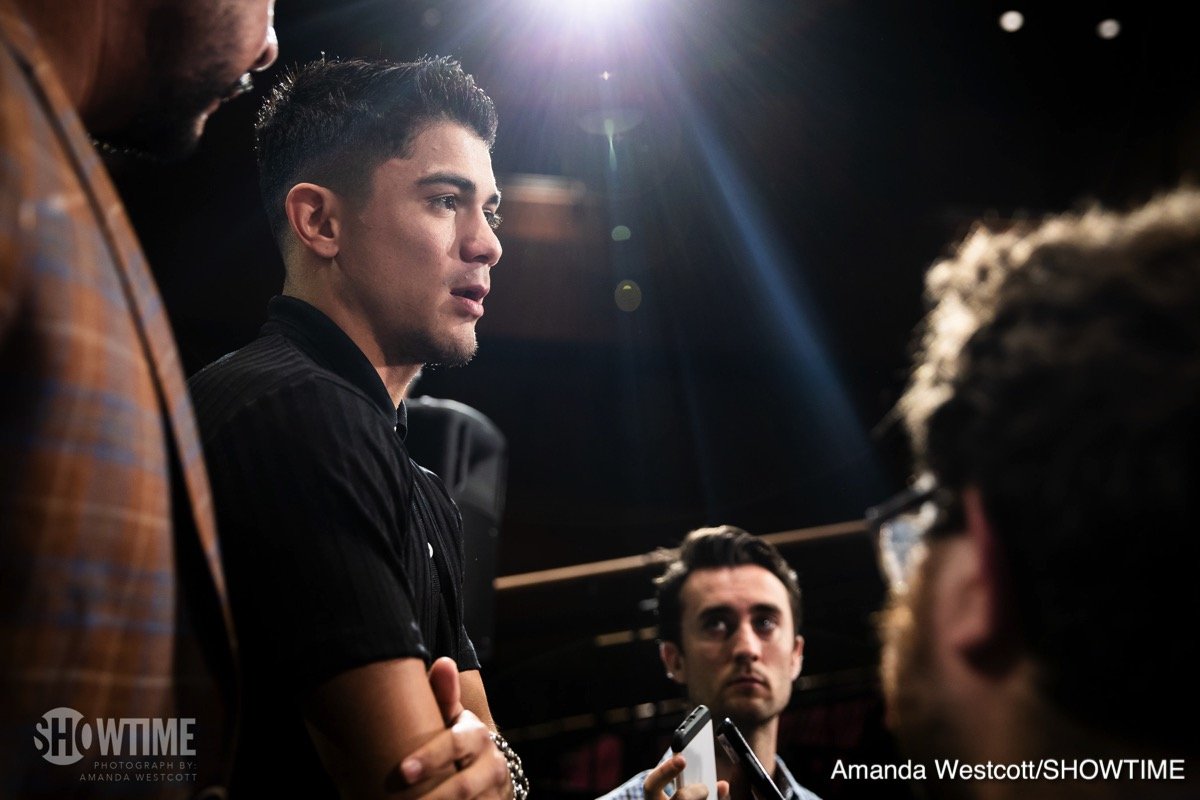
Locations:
(448, 202)
(714, 626)
(765, 624)
(493, 218)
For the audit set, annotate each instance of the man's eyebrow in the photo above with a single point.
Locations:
(465, 185)
(766, 608)
(757, 608)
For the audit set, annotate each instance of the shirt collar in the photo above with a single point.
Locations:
(786, 781)
(332, 349)
(783, 778)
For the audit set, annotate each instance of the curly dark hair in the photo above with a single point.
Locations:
(713, 548)
(333, 122)
(1059, 372)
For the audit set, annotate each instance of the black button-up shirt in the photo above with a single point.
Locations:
(339, 550)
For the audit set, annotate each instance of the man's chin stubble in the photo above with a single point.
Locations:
(445, 357)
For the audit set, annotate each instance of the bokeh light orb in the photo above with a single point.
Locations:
(628, 296)
(1012, 21)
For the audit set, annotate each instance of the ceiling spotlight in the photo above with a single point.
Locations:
(1012, 21)
(1108, 29)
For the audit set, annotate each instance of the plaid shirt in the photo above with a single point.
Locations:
(792, 790)
(112, 601)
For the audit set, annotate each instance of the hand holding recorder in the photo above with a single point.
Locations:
(739, 752)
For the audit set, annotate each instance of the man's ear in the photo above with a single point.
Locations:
(672, 659)
(797, 656)
(974, 595)
(314, 213)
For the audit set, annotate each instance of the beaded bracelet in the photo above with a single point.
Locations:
(516, 773)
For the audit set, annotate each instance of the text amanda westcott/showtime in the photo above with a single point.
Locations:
(1047, 769)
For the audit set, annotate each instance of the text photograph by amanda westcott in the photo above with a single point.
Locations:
(118, 750)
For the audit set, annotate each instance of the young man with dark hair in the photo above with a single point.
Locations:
(345, 557)
(728, 627)
(112, 602)
(1044, 595)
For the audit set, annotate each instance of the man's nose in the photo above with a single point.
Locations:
(481, 245)
(270, 50)
(746, 644)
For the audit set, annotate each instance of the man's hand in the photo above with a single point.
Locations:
(465, 745)
(656, 783)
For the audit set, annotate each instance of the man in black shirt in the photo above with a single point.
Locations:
(344, 557)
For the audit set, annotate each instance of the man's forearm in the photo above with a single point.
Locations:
(474, 698)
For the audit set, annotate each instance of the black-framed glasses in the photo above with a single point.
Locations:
(902, 524)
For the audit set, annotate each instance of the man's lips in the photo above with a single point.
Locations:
(475, 291)
(470, 298)
(746, 681)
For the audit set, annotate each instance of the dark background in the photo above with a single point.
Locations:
(787, 171)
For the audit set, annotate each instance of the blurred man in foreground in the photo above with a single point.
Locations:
(1043, 564)
(112, 602)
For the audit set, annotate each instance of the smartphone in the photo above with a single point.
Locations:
(739, 752)
(694, 739)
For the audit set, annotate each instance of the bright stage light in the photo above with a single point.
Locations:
(589, 12)
(1108, 29)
